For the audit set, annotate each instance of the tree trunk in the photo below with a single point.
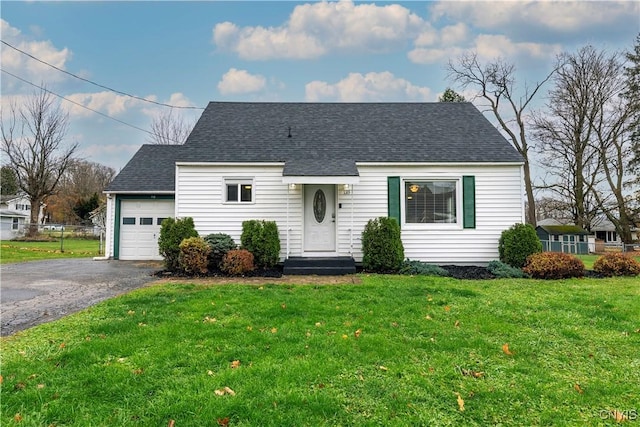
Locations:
(34, 217)
(531, 202)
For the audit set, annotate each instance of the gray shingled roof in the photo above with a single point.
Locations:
(325, 139)
(151, 169)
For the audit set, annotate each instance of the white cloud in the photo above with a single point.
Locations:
(490, 46)
(109, 103)
(557, 16)
(315, 29)
(27, 68)
(237, 81)
(370, 87)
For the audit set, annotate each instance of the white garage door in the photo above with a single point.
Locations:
(140, 222)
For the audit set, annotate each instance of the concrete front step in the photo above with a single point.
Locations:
(329, 266)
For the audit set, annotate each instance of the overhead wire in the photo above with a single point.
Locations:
(81, 105)
(98, 84)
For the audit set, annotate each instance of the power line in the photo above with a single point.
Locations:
(81, 105)
(94, 83)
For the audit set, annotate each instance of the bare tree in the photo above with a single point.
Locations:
(495, 83)
(169, 129)
(585, 139)
(33, 143)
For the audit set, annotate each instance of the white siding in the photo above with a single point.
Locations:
(200, 192)
(499, 204)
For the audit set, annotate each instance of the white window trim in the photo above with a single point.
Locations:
(238, 181)
(431, 226)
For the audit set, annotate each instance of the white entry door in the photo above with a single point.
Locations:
(319, 218)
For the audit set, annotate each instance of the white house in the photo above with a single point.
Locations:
(321, 171)
(15, 211)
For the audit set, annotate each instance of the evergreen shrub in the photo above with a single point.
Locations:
(261, 238)
(504, 271)
(172, 233)
(419, 268)
(382, 249)
(517, 243)
(220, 244)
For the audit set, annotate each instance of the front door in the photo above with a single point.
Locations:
(319, 218)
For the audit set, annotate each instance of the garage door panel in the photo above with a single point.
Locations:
(140, 227)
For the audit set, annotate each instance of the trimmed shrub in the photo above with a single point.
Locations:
(237, 262)
(382, 249)
(193, 257)
(504, 271)
(419, 268)
(517, 243)
(172, 233)
(262, 240)
(616, 264)
(553, 265)
(220, 244)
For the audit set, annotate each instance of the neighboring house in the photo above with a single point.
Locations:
(321, 171)
(569, 239)
(15, 212)
(605, 233)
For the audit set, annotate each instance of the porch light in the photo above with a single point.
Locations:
(346, 189)
(414, 188)
(292, 186)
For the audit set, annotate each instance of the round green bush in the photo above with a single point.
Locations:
(517, 243)
(382, 249)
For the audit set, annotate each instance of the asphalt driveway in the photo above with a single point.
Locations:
(41, 291)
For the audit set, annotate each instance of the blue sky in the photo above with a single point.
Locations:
(189, 53)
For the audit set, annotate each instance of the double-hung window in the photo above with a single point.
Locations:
(431, 201)
(238, 191)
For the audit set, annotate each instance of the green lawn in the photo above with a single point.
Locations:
(14, 251)
(391, 350)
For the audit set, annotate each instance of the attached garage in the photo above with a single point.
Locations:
(139, 227)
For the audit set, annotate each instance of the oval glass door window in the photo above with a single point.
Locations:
(319, 206)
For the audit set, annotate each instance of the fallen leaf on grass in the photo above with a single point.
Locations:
(345, 336)
(172, 423)
(505, 350)
(471, 373)
(284, 306)
(457, 324)
(460, 402)
(383, 368)
(274, 330)
(210, 319)
(223, 391)
(224, 422)
(357, 333)
(428, 317)
(447, 308)
(210, 372)
(235, 364)
(17, 417)
(63, 345)
(578, 388)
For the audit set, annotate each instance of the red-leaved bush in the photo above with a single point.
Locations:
(553, 265)
(237, 262)
(616, 264)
